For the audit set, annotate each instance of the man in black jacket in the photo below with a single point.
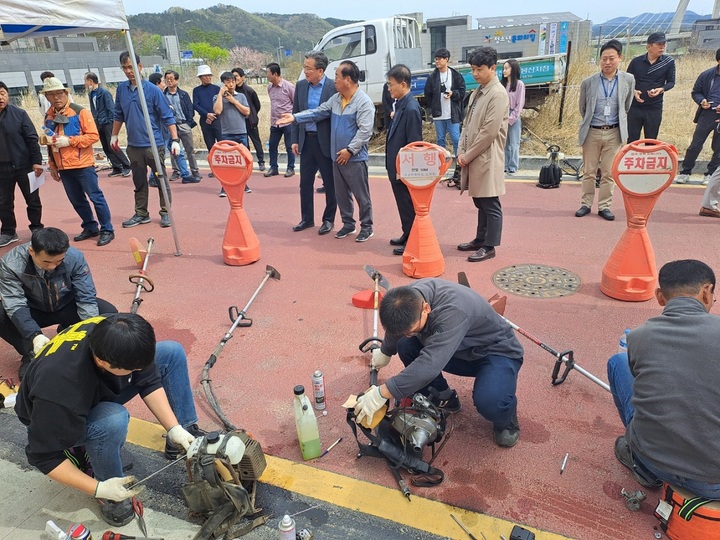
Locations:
(251, 122)
(312, 141)
(444, 92)
(19, 155)
(405, 127)
(102, 107)
(182, 106)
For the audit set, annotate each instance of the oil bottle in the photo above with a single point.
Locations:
(306, 423)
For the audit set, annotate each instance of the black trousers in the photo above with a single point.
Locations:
(211, 132)
(643, 119)
(404, 203)
(63, 317)
(313, 160)
(8, 179)
(490, 220)
(118, 159)
(705, 126)
(254, 137)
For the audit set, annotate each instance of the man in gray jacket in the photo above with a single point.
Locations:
(352, 116)
(437, 326)
(42, 283)
(666, 386)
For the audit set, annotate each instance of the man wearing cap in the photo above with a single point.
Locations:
(71, 160)
(706, 93)
(444, 92)
(202, 99)
(139, 149)
(654, 74)
(19, 155)
(605, 100)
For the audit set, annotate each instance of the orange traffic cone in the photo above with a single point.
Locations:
(232, 163)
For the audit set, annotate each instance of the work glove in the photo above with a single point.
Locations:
(379, 360)
(61, 141)
(368, 404)
(39, 342)
(180, 436)
(175, 148)
(114, 144)
(115, 489)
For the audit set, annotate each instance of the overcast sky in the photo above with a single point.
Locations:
(597, 11)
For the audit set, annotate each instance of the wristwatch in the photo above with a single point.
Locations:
(349, 151)
(175, 140)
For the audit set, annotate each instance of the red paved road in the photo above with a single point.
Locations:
(306, 322)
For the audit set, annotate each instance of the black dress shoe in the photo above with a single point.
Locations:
(399, 241)
(399, 250)
(271, 172)
(85, 234)
(606, 214)
(470, 246)
(326, 227)
(482, 254)
(105, 238)
(303, 225)
(584, 211)
(321, 189)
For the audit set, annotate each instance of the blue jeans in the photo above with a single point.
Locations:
(442, 128)
(240, 138)
(180, 159)
(107, 423)
(621, 382)
(81, 185)
(495, 381)
(512, 147)
(277, 133)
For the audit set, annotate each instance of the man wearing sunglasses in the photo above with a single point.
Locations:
(437, 326)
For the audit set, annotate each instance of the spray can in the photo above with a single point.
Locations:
(306, 424)
(287, 528)
(79, 532)
(318, 383)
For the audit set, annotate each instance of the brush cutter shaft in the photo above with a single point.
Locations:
(140, 280)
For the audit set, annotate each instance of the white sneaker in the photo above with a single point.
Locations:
(682, 178)
(706, 179)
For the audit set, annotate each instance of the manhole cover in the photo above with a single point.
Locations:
(537, 281)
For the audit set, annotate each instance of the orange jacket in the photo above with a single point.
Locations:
(82, 132)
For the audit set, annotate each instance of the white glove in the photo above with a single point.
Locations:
(179, 436)
(114, 144)
(61, 142)
(379, 360)
(114, 489)
(39, 342)
(368, 404)
(175, 148)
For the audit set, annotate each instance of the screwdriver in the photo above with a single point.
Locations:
(109, 535)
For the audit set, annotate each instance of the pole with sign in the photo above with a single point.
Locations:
(232, 164)
(420, 166)
(642, 170)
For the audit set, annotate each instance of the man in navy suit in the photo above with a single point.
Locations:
(405, 127)
(312, 142)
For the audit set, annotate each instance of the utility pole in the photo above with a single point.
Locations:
(279, 48)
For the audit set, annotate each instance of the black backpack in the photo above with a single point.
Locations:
(549, 176)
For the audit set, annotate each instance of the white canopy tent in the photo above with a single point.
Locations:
(40, 18)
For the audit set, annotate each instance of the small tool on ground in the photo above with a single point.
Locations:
(140, 513)
(471, 535)
(161, 469)
(110, 535)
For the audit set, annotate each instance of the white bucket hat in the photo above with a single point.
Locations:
(204, 70)
(52, 84)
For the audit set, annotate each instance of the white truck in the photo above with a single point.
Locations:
(377, 45)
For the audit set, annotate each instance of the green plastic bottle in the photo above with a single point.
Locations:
(306, 423)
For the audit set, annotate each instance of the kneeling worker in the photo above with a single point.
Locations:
(436, 326)
(666, 386)
(112, 360)
(43, 283)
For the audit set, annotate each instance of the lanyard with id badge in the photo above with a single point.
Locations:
(606, 109)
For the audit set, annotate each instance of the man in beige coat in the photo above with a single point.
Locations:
(481, 153)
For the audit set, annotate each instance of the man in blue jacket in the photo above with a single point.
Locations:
(42, 283)
(102, 107)
(405, 128)
(19, 155)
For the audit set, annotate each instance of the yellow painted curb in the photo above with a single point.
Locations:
(360, 496)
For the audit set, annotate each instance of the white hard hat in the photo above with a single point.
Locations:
(204, 70)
